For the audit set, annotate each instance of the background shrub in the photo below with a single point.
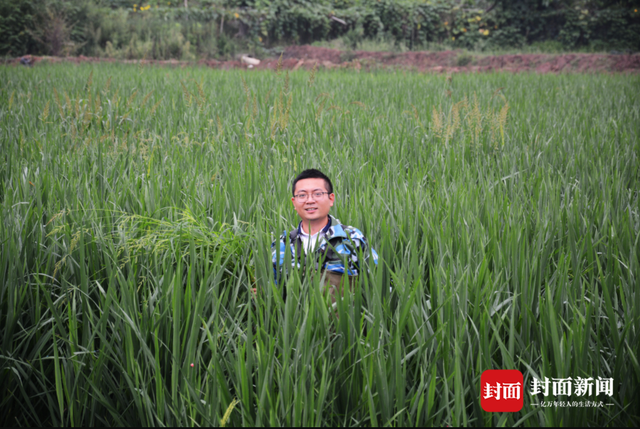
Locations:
(219, 28)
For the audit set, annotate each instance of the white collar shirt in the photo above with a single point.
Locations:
(309, 242)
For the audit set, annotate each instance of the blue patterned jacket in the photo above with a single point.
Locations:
(339, 245)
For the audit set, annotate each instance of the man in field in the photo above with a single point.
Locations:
(336, 251)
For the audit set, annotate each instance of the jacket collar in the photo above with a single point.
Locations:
(332, 229)
(296, 232)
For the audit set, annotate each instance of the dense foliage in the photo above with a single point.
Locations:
(214, 28)
(138, 205)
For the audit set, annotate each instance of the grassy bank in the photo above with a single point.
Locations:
(138, 207)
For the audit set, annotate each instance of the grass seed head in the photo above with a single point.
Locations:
(89, 82)
(186, 94)
(67, 100)
(45, 112)
(254, 112)
(227, 413)
(58, 103)
(146, 98)
(476, 116)
(437, 122)
(130, 99)
(155, 106)
(312, 76)
(502, 120)
(13, 93)
(107, 86)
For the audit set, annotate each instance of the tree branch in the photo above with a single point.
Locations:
(492, 6)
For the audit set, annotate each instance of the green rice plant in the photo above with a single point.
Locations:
(137, 220)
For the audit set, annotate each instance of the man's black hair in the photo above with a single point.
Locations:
(312, 173)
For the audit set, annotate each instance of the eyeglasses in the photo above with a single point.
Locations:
(301, 198)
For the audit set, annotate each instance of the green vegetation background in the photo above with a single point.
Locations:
(138, 205)
(157, 29)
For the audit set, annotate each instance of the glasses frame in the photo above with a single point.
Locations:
(297, 197)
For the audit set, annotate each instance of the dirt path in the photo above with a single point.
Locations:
(296, 57)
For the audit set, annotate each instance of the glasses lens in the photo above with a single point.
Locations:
(304, 197)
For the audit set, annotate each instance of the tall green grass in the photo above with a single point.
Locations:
(139, 205)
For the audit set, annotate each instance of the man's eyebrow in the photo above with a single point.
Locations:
(304, 190)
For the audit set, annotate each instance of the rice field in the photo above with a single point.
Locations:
(139, 205)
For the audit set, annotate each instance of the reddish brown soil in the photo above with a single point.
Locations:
(307, 57)
(453, 61)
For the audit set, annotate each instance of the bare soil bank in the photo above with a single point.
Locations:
(296, 57)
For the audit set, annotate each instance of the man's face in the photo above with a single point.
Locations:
(313, 208)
